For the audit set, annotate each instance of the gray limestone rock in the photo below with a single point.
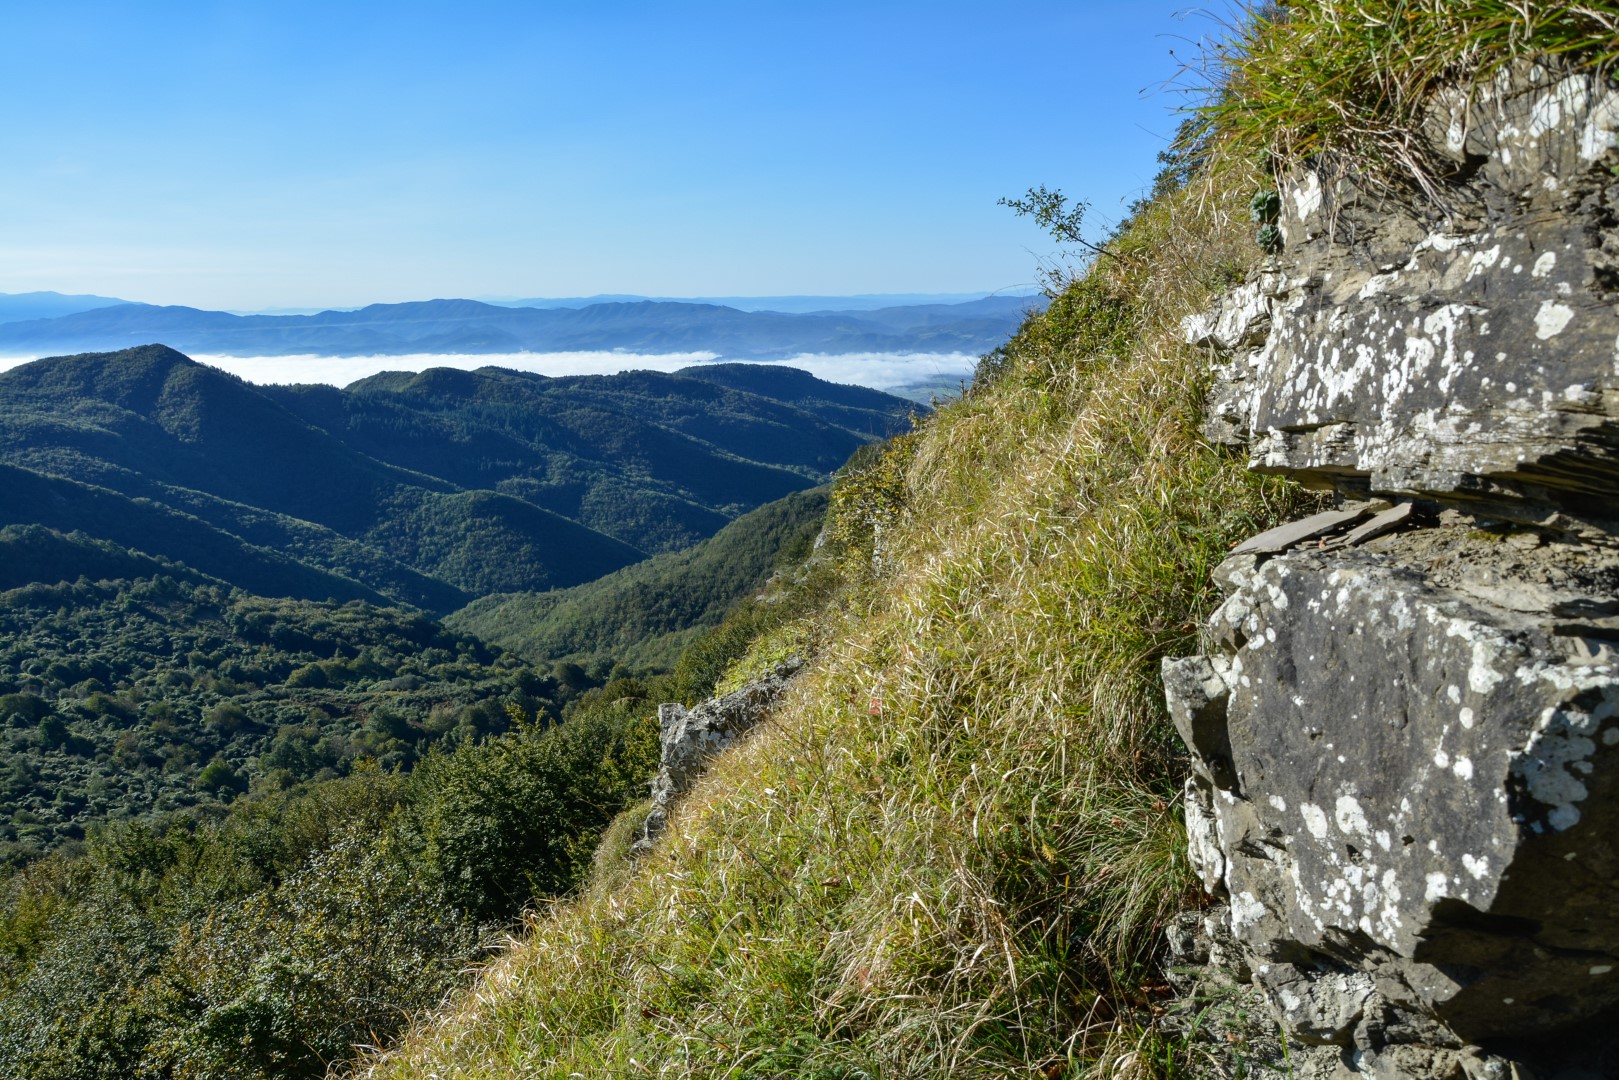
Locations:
(1404, 727)
(1405, 768)
(1468, 351)
(1296, 532)
(690, 738)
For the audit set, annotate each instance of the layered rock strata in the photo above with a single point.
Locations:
(1405, 721)
(1470, 355)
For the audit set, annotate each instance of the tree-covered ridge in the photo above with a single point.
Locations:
(171, 533)
(428, 489)
(643, 615)
(129, 696)
(690, 447)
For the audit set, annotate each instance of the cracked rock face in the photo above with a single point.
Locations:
(1472, 356)
(1404, 723)
(1407, 789)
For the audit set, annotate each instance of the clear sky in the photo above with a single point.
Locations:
(251, 155)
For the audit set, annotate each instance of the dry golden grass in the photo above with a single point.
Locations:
(952, 849)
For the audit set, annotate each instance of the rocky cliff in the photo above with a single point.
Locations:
(1405, 720)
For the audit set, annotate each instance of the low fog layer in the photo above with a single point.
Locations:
(879, 371)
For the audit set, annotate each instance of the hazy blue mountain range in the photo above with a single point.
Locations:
(19, 307)
(430, 489)
(791, 304)
(467, 326)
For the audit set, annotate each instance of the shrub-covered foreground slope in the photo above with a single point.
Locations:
(409, 792)
(952, 849)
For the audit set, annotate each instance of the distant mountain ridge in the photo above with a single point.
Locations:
(430, 488)
(468, 326)
(790, 304)
(20, 307)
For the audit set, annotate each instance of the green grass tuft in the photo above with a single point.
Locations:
(1348, 79)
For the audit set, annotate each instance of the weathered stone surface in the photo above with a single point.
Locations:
(1469, 352)
(1406, 757)
(1405, 730)
(1395, 517)
(689, 739)
(1296, 532)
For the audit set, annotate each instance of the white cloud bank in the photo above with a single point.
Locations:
(880, 371)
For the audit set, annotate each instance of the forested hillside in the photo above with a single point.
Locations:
(428, 489)
(132, 695)
(644, 615)
(248, 836)
(256, 811)
(209, 588)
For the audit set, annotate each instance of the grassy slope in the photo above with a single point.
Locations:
(951, 851)
(1344, 83)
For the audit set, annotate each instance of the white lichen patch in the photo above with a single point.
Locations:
(1482, 262)
(1350, 817)
(1437, 887)
(1246, 910)
(1557, 753)
(1552, 319)
(1307, 196)
(1315, 820)
(1597, 134)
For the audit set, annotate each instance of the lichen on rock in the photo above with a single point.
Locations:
(1469, 354)
(1404, 723)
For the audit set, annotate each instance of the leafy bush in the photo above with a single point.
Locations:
(273, 939)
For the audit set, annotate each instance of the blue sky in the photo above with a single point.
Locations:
(288, 154)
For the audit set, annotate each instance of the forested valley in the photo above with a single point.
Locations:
(267, 793)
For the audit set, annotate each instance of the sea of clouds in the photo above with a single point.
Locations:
(880, 371)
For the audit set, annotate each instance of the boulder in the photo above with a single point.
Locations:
(1404, 783)
(1404, 718)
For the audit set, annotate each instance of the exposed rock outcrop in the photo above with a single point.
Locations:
(1405, 723)
(1472, 355)
(690, 738)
